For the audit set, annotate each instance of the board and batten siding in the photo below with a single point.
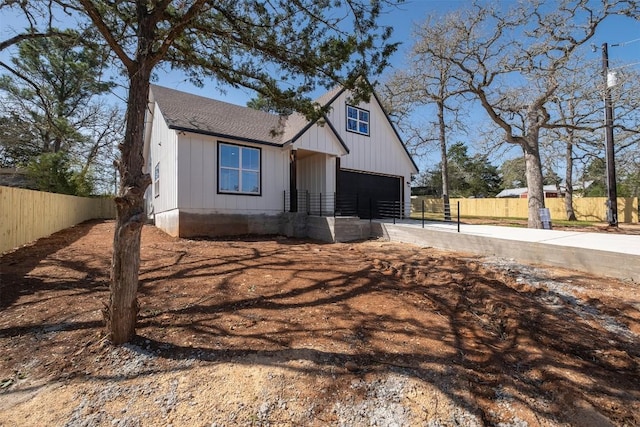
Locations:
(319, 138)
(164, 150)
(198, 185)
(380, 152)
(317, 174)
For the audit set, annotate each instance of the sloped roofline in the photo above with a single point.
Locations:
(326, 119)
(386, 114)
(201, 115)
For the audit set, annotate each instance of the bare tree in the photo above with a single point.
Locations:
(578, 125)
(429, 80)
(512, 61)
(577, 118)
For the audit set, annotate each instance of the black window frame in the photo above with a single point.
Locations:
(219, 167)
(358, 120)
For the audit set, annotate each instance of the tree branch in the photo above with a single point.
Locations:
(96, 18)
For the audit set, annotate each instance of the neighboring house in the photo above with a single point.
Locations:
(222, 169)
(550, 191)
(578, 189)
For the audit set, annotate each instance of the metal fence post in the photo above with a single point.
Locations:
(393, 213)
(458, 216)
(335, 202)
(422, 213)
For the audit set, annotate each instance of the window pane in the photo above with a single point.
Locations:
(352, 125)
(250, 182)
(352, 113)
(229, 180)
(364, 128)
(229, 156)
(250, 159)
(364, 116)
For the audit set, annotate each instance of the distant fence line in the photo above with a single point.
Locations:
(27, 215)
(585, 208)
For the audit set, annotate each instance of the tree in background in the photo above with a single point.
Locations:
(626, 127)
(511, 62)
(595, 174)
(281, 49)
(427, 80)
(469, 176)
(576, 133)
(513, 173)
(52, 116)
(52, 172)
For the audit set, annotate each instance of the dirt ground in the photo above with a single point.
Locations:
(287, 332)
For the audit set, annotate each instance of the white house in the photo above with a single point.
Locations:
(222, 169)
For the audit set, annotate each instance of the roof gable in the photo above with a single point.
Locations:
(297, 123)
(338, 93)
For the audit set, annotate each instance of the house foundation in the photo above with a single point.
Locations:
(300, 225)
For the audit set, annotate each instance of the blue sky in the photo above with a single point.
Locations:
(412, 12)
(616, 30)
(403, 19)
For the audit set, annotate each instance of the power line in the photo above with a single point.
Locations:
(626, 43)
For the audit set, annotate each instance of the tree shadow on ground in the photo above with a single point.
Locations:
(19, 278)
(476, 334)
(379, 317)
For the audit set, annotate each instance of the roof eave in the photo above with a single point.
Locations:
(226, 136)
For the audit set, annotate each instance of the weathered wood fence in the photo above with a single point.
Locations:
(586, 208)
(27, 215)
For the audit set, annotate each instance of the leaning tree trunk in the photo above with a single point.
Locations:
(533, 171)
(122, 310)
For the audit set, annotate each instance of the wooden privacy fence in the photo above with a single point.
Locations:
(27, 215)
(585, 208)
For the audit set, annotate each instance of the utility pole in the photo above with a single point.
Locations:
(612, 193)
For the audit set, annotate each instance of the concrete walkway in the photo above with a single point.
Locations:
(614, 255)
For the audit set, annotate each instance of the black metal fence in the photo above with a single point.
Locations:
(435, 210)
(332, 204)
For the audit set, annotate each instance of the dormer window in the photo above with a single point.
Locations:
(357, 120)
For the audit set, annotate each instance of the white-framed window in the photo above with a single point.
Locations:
(239, 169)
(357, 120)
(156, 180)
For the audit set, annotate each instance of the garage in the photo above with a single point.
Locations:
(368, 195)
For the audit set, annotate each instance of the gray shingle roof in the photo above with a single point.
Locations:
(193, 113)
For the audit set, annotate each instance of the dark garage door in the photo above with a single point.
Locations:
(367, 195)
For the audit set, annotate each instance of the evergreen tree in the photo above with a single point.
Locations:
(49, 107)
